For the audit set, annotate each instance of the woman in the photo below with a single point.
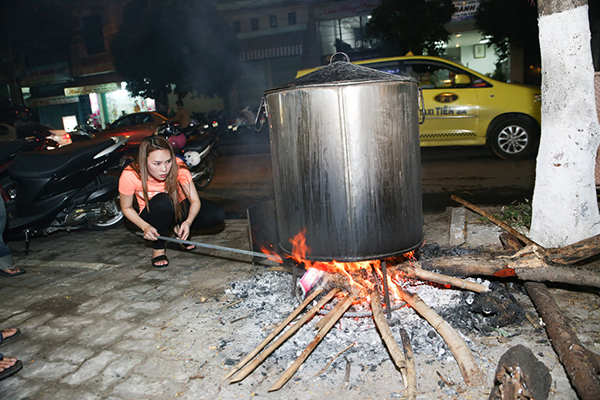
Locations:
(166, 197)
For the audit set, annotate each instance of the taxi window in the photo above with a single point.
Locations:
(435, 75)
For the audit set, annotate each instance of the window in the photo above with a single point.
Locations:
(254, 24)
(237, 27)
(273, 21)
(91, 27)
(292, 18)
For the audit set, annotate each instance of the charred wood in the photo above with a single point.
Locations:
(582, 366)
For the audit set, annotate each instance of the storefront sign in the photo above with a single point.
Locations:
(465, 9)
(46, 73)
(49, 101)
(344, 9)
(81, 90)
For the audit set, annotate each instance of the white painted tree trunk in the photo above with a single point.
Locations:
(565, 208)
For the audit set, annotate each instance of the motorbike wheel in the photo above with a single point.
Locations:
(202, 174)
(114, 217)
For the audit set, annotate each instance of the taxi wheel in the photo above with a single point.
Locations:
(513, 138)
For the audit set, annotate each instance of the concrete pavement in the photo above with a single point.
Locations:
(99, 322)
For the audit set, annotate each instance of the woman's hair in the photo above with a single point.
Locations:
(147, 146)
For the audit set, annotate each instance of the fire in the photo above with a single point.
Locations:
(362, 276)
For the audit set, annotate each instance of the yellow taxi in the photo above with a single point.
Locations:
(465, 108)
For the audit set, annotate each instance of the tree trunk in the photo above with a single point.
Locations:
(565, 208)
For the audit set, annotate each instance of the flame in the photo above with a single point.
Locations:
(359, 274)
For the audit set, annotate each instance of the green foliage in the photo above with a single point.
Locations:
(508, 22)
(175, 45)
(517, 214)
(411, 25)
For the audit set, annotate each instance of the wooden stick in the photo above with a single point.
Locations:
(581, 364)
(333, 359)
(575, 252)
(414, 272)
(272, 335)
(411, 371)
(460, 350)
(496, 221)
(387, 336)
(333, 316)
(386, 290)
(293, 329)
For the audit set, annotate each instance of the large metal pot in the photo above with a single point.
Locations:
(346, 163)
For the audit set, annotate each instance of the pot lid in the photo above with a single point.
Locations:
(343, 72)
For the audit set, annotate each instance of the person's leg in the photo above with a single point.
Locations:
(161, 216)
(7, 264)
(211, 215)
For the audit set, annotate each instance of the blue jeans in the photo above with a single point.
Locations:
(6, 260)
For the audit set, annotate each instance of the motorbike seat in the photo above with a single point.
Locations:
(10, 148)
(199, 143)
(48, 163)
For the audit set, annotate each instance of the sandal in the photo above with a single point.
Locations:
(20, 271)
(157, 259)
(9, 338)
(10, 371)
(186, 247)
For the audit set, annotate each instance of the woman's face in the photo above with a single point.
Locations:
(159, 164)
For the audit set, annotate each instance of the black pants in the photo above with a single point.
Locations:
(162, 216)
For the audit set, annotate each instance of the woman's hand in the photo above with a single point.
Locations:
(183, 230)
(150, 233)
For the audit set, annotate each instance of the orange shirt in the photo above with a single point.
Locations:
(130, 184)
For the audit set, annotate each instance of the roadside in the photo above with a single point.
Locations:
(99, 322)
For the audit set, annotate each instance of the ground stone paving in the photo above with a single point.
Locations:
(99, 322)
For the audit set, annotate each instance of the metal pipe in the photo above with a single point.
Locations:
(212, 246)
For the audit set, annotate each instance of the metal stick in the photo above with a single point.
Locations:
(212, 246)
(386, 291)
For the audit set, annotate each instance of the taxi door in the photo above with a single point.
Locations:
(451, 106)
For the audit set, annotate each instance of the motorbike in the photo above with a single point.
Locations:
(9, 150)
(197, 148)
(67, 188)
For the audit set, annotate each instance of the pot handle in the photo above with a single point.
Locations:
(261, 115)
(421, 107)
(339, 53)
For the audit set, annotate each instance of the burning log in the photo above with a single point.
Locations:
(332, 317)
(272, 335)
(527, 265)
(581, 364)
(411, 371)
(244, 372)
(458, 347)
(388, 338)
(416, 272)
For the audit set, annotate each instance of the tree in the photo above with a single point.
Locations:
(175, 45)
(411, 25)
(508, 22)
(565, 207)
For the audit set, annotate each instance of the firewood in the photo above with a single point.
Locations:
(272, 335)
(333, 359)
(581, 364)
(510, 242)
(532, 268)
(415, 272)
(332, 317)
(458, 347)
(496, 221)
(411, 371)
(575, 252)
(387, 336)
(244, 372)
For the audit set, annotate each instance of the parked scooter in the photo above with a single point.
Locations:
(67, 188)
(198, 151)
(9, 150)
